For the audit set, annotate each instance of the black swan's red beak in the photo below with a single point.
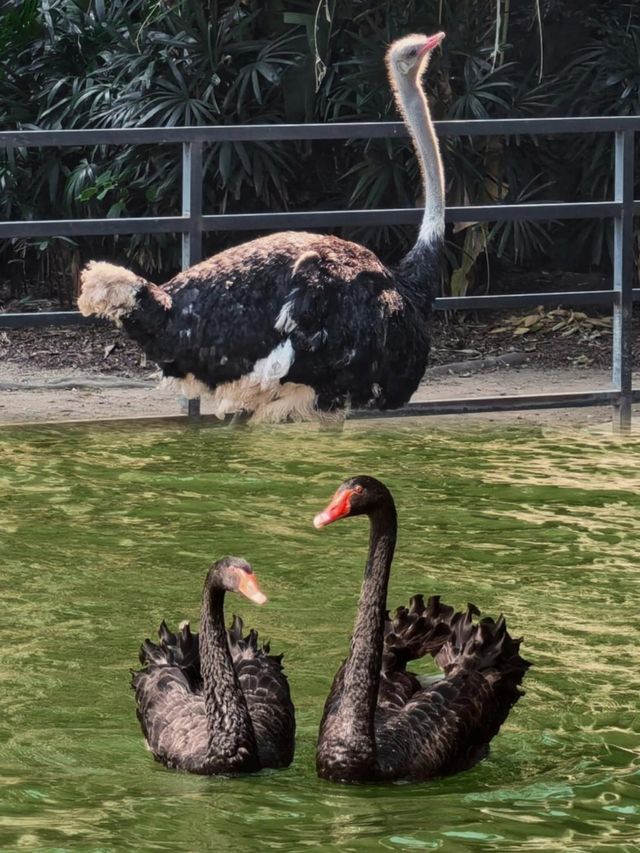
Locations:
(248, 586)
(339, 507)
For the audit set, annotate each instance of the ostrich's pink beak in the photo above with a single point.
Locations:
(431, 43)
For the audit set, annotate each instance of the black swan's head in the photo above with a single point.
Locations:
(356, 496)
(408, 57)
(234, 574)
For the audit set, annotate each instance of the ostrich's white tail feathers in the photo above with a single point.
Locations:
(111, 292)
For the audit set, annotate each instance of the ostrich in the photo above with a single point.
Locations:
(296, 325)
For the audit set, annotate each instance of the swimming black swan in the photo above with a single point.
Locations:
(295, 325)
(216, 702)
(380, 721)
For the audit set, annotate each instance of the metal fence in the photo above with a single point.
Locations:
(193, 222)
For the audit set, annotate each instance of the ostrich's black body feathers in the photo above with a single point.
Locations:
(170, 702)
(357, 332)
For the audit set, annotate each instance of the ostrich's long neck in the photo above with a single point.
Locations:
(362, 669)
(419, 266)
(232, 743)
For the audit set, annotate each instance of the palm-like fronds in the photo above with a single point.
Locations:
(127, 63)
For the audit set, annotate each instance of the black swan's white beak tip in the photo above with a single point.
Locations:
(322, 519)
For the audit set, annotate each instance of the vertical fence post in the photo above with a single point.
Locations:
(192, 238)
(623, 279)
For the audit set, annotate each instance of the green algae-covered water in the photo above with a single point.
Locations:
(104, 531)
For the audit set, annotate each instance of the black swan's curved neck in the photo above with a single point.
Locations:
(362, 669)
(232, 742)
(420, 266)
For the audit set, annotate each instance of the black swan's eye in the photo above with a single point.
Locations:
(358, 490)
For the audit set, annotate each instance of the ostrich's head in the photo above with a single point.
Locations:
(233, 574)
(408, 57)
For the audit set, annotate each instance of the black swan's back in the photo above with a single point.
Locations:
(429, 726)
(170, 703)
(447, 723)
(267, 694)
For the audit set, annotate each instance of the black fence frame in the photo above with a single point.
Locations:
(193, 223)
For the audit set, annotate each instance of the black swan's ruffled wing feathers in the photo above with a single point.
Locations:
(415, 631)
(447, 726)
(396, 689)
(180, 650)
(170, 707)
(485, 646)
(441, 730)
(266, 691)
(410, 634)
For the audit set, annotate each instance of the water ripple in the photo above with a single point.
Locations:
(105, 531)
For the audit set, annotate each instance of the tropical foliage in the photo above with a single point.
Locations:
(127, 63)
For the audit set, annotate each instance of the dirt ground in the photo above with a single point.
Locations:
(37, 394)
(94, 372)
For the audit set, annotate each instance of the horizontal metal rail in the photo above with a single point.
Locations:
(523, 300)
(506, 403)
(95, 227)
(36, 319)
(312, 131)
(193, 223)
(41, 319)
(305, 219)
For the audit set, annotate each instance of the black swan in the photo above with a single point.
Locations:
(296, 325)
(217, 702)
(380, 721)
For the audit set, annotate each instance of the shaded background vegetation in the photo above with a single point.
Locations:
(128, 63)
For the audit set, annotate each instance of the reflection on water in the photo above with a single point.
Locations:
(105, 531)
